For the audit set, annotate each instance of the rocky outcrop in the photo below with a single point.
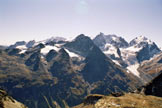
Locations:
(7, 101)
(92, 99)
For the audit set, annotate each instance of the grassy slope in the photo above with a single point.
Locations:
(127, 101)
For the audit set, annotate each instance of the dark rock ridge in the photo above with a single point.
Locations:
(51, 54)
(81, 45)
(154, 87)
(92, 99)
(95, 63)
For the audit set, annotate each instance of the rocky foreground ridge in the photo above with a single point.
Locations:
(7, 101)
(129, 100)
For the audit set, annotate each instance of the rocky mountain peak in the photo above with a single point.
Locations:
(101, 34)
(127, 55)
(63, 53)
(50, 55)
(101, 39)
(30, 44)
(82, 38)
(55, 39)
(80, 45)
(18, 43)
(140, 41)
(147, 48)
(142, 38)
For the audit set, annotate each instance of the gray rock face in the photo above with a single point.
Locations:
(17, 44)
(30, 44)
(51, 54)
(81, 45)
(147, 52)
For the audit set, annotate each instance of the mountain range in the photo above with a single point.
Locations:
(57, 72)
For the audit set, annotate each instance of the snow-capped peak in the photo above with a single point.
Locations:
(55, 39)
(52, 39)
(109, 38)
(141, 40)
(102, 39)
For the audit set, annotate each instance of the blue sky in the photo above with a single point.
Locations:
(41, 19)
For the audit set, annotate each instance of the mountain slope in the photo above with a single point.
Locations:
(152, 66)
(35, 81)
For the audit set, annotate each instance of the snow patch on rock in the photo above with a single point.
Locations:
(47, 48)
(133, 69)
(110, 50)
(71, 54)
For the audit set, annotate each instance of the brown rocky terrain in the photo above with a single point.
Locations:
(128, 100)
(7, 101)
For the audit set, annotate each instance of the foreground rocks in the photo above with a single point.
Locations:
(129, 100)
(8, 102)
